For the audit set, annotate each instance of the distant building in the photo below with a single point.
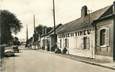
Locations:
(90, 35)
(48, 40)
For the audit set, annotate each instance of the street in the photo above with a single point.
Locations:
(40, 61)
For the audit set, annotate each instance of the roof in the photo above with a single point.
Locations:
(52, 30)
(83, 22)
(56, 28)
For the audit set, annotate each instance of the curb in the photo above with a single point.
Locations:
(84, 61)
(92, 63)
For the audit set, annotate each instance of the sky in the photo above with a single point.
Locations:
(66, 11)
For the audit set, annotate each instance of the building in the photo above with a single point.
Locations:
(90, 35)
(49, 39)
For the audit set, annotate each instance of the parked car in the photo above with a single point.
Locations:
(16, 50)
(9, 53)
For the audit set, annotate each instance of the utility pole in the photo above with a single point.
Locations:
(54, 16)
(34, 25)
(34, 22)
(26, 32)
(54, 36)
(91, 48)
(34, 30)
(26, 35)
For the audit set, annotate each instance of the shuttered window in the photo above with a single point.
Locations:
(102, 37)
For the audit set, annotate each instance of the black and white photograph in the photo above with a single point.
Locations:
(57, 35)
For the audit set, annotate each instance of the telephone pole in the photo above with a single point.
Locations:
(34, 28)
(54, 36)
(26, 32)
(54, 16)
(34, 22)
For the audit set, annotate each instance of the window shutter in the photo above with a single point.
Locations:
(107, 37)
(98, 38)
(88, 42)
(82, 43)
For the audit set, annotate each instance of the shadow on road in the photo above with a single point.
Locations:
(11, 56)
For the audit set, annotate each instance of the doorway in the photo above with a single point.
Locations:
(86, 43)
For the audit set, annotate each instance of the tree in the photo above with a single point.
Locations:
(16, 41)
(40, 30)
(8, 24)
(48, 29)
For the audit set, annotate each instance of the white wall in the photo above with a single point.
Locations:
(76, 45)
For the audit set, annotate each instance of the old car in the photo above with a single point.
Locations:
(16, 49)
(9, 53)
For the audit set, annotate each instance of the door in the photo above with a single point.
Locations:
(86, 43)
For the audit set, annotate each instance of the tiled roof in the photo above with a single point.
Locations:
(83, 22)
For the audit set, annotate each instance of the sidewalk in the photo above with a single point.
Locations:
(97, 62)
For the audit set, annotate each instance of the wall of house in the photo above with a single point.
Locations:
(76, 43)
(106, 48)
(44, 42)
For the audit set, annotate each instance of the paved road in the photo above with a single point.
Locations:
(38, 61)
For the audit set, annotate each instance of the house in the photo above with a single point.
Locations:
(90, 35)
(49, 39)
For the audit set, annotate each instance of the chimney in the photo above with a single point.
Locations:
(84, 11)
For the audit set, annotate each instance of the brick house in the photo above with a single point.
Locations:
(90, 35)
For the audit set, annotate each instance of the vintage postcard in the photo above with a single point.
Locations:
(57, 36)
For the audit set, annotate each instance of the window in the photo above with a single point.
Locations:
(60, 36)
(86, 43)
(102, 36)
(75, 33)
(72, 34)
(84, 32)
(66, 43)
(80, 32)
(63, 35)
(68, 34)
(88, 31)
